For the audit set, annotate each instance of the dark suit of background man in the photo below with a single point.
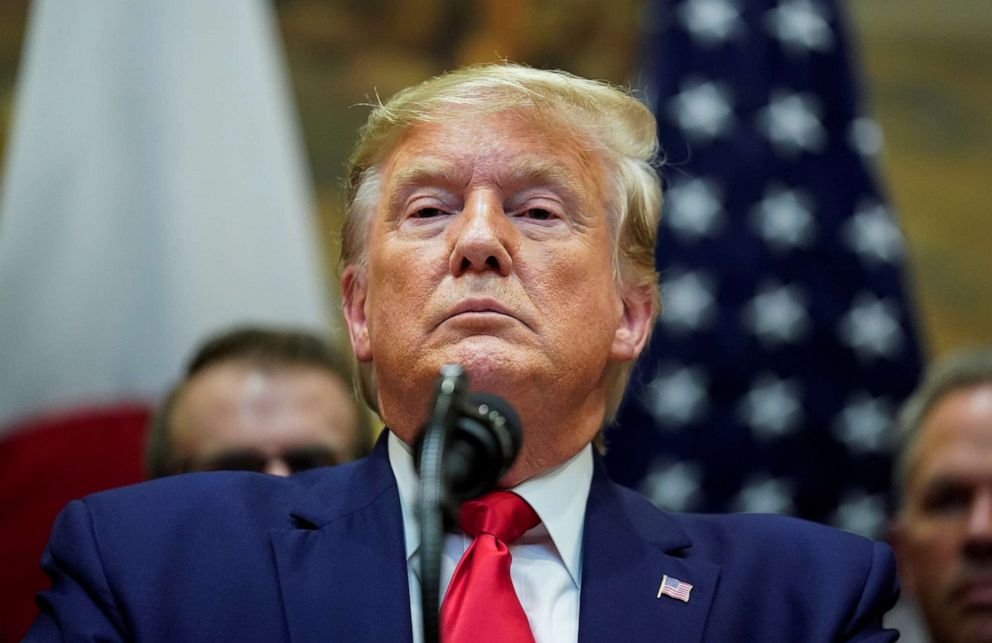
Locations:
(504, 219)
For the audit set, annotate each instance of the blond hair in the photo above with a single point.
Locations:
(615, 126)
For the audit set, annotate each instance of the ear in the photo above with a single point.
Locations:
(635, 324)
(354, 291)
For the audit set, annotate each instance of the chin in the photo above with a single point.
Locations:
(489, 362)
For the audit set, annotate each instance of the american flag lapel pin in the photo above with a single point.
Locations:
(674, 588)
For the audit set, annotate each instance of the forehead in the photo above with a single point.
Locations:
(230, 396)
(505, 147)
(956, 436)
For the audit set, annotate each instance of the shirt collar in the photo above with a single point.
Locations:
(558, 496)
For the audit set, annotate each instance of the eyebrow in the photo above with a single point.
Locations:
(425, 171)
(420, 172)
(536, 171)
(525, 170)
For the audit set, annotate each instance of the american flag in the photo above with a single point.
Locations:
(675, 588)
(786, 342)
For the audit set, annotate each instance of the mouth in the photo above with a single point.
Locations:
(975, 594)
(481, 309)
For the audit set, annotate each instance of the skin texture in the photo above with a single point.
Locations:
(943, 536)
(236, 405)
(490, 249)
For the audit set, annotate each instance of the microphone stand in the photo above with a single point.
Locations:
(432, 500)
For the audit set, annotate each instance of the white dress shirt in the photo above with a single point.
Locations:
(547, 560)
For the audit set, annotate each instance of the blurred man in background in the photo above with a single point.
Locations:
(259, 399)
(943, 532)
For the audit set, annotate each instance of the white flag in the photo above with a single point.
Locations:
(155, 193)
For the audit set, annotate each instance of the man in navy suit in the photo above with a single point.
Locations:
(500, 218)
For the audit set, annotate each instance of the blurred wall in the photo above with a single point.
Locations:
(927, 78)
(928, 71)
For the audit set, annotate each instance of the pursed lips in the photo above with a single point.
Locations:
(481, 306)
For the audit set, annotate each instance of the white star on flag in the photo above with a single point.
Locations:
(791, 122)
(784, 218)
(702, 109)
(861, 513)
(674, 486)
(871, 328)
(865, 136)
(711, 21)
(765, 495)
(694, 209)
(801, 26)
(864, 424)
(677, 396)
(688, 301)
(777, 314)
(771, 407)
(873, 234)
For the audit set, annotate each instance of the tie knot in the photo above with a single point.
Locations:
(503, 514)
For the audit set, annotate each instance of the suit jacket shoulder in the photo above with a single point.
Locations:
(826, 579)
(230, 556)
(753, 577)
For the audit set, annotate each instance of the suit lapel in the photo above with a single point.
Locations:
(343, 571)
(628, 547)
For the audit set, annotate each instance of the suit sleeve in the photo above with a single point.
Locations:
(879, 593)
(79, 606)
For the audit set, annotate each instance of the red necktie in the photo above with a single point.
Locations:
(481, 605)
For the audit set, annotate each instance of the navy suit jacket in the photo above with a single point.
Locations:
(320, 557)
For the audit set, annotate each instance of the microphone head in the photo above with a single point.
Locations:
(481, 449)
(505, 422)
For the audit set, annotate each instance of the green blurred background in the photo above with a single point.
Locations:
(927, 72)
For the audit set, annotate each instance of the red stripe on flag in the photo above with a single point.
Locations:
(45, 463)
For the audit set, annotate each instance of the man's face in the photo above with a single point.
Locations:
(944, 535)
(490, 249)
(237, 415)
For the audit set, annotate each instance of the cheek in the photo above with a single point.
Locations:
(393, 311)
(583, 263)
(585, 285)
(578, 299)
(933, 549)
(399, 283)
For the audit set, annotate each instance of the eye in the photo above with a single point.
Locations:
(946, 499)
(538, 214)
(427, 213)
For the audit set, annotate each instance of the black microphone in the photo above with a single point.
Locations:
(480, 437)
(481, 447)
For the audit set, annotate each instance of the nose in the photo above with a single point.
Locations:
(483, 234)
(978, 542)
(277, 467)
